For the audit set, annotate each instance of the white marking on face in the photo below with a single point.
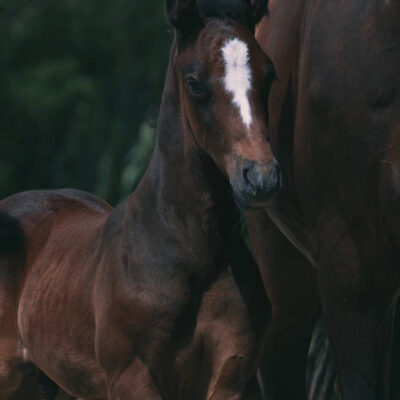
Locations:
(237, 78)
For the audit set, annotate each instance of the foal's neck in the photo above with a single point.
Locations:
(185, 193)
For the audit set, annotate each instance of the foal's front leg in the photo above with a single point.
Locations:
(231, 380)
(127, 377)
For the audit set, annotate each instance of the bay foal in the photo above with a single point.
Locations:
(139, 302)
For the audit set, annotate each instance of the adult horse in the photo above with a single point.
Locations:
(139, 302)
(335, 129)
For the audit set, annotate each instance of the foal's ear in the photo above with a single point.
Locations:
(183, 15)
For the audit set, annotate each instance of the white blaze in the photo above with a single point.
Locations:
(238, 76)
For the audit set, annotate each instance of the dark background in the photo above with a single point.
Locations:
(80, 86)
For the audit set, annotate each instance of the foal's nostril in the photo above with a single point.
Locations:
(248, 178)
(245, 175)
(251, 177)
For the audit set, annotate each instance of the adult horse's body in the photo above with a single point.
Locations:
(139, 302)
(335, 128)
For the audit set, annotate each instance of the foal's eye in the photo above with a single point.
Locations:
(197, 89)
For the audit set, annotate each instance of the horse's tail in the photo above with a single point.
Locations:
(321, 374)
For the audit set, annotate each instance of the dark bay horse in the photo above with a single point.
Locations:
(140, 301)
(334, 126)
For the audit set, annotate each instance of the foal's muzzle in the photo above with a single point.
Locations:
(255, 182)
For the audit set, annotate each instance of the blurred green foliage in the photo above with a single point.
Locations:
(79, 83)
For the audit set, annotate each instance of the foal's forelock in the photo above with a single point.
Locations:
(238, 76)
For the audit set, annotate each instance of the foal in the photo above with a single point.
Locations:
(139, 302)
